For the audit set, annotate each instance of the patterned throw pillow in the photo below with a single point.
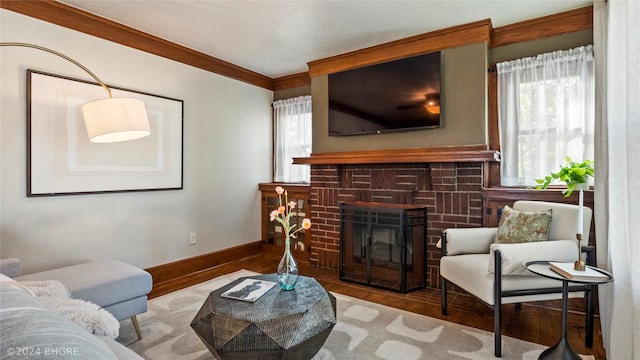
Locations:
(518, 226)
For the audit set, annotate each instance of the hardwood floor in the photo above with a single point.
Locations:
(533, 322)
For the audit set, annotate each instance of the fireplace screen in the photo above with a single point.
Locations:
(383, 245)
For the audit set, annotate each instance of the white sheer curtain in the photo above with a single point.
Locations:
(546, 112)
(292, 138)
(617, 193)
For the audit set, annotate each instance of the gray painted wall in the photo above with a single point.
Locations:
(463, 102)
(291, 93)
(464, 97)
(540, 46)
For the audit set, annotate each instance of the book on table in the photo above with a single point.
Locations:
(249, 290)
(567, 270)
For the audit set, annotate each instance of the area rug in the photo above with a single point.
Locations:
(364, 330)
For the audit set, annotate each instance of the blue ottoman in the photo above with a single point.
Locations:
(117, 287)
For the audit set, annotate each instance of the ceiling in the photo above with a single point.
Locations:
(279, 38)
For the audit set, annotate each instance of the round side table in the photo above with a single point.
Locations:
(562, 350)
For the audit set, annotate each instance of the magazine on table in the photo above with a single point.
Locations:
(249, 290)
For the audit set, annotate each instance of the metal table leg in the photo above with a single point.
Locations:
(562, 350)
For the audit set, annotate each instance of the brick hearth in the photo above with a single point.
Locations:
(452, 193)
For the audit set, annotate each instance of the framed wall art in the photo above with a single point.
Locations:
(62, 161)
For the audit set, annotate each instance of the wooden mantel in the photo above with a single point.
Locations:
(466, 153)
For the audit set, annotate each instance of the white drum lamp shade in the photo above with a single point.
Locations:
(115, 119)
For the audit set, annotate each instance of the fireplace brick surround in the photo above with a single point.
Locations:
(451, 191)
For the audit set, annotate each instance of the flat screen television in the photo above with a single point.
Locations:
(398, 95)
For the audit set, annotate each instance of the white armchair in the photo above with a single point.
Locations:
(470, 255)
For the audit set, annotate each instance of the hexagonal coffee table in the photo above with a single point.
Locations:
(279, 325)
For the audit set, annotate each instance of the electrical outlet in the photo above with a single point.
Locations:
(192, 239)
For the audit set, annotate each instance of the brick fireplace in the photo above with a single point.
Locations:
(447, 180)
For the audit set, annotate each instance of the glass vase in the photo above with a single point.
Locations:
(288, 269)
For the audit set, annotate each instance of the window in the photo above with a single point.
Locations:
(545, 113)
(292, 129)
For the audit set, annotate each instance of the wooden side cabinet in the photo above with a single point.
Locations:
(272, 233)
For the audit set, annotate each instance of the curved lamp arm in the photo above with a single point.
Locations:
(106, 120)
(33, 46)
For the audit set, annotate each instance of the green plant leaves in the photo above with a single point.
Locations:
(571, 173)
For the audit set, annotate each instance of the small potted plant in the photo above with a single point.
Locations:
(573, 174)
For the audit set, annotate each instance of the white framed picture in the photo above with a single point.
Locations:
(62, 161)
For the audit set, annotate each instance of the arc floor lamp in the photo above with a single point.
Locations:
(107, 120)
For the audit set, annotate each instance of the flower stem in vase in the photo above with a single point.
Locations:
(287, 269)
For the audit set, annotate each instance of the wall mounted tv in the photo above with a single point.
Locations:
(398, 95)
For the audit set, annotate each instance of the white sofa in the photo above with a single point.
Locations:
(31, 330)
(493, 272)
(114, 286)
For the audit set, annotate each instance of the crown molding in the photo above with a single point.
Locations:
(479, 31)
(80, 20)
(455, 36)
(542, 27)
(291, 81)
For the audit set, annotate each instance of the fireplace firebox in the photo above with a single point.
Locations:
(383, 245)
